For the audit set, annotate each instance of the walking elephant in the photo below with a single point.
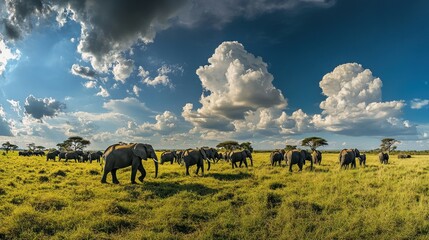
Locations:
(61, 155)
(384, 158)
(317, 157)
(76, 155)
(240, 156)
(170, 156)
(195, 157)
(95, 156)
(212, 154)
(298, 157)
(52, 155)
(362, 159)
(277, 157)
(120, 156)
(348, 157)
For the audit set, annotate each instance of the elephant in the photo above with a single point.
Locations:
(195, 156)
(76, 155)
(317, 157)
(120, 156)
(240, 156)
(179, 157)
(85, 157)
(298, 157)
(347, 157)
(277, 157)
(168, 157)
(404, 156)
(362, 159)
(220, 157)
(61, 155)
(211, 154)
(384, 158)
(52, 155)
(95, 156)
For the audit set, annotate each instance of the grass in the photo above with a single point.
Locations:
(58, 200)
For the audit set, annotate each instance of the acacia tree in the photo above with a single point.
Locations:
(314, 142)
(40, 148)
(74, 143)
(31, 147)
(290, 147)
(7, 146)
(247, 145)
(14, 147)
(387, 144)
(228, 145)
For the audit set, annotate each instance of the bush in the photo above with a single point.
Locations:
(59, 173)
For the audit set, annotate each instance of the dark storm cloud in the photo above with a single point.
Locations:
(42, 107)
(20, 14)
(84, 72)
(109, 28)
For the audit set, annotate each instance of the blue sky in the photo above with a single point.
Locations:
(181, 74)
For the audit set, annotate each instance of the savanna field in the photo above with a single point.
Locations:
(58, 200)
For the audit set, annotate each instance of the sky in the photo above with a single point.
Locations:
(187, 73)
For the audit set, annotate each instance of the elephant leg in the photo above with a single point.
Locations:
(311, 164)
(171, 161)
(134, 168)
(290, 167)
(245, 163)
(114, 178)
(300, 166)
(202, 167)
(142, 171)
(187, 169)
(105, 172)
(232, 163)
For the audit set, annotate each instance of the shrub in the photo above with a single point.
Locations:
(43, 179)
(59, 173)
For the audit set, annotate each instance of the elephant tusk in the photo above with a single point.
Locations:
(155, 160)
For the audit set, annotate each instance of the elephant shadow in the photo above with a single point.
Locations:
(230, 177)
(168, 189)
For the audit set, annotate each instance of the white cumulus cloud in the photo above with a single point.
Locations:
(123, 69)
(419, 103)
(354, 105)
(6, 54)
(103, 92)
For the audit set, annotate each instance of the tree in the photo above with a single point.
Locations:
(74, 143)
(7, 146)
(40, 148)
(31, 147)
(290, 147)
(228, 145)
(314, 142)
(14, 147)
(247, 145)
(387, 144)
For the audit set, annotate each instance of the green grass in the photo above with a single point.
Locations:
(57, 200)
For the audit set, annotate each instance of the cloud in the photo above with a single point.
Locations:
(42, 107)
(4, 124)
(7, 54)
(165, 124)
(136, 90)
(91, 84)
(220, 12)
(103, 92)
(15, 106)
(162, 78)
(84, 72)
(128, 106)
(353, 105)
(419, 103)
(22, 15)
(123, 69)
(236, 83)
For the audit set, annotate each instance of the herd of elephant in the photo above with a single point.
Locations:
(123, 155)
(77, 156)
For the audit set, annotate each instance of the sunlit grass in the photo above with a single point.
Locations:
(57, 200)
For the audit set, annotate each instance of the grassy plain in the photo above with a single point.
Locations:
(57, 200)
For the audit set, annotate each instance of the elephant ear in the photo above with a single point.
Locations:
(140, 151)
(203, 153)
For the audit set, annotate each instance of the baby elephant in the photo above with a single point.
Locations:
(362, 159)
